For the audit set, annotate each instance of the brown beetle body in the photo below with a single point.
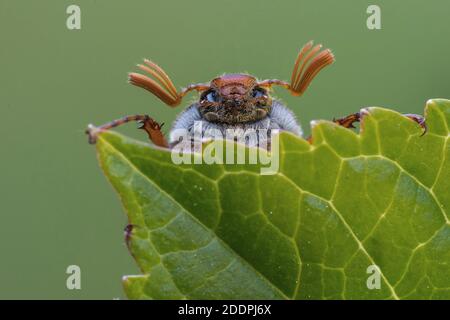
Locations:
(228, 101)
(231, 101)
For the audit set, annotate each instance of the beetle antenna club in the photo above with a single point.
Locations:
(310, 61)
(161, 85)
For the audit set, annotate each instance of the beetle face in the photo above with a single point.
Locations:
(234, 98)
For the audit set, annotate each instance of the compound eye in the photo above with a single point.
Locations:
(258, 92)
(211, 96)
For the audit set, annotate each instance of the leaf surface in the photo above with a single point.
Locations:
(311, 231)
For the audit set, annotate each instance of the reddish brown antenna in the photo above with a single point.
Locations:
(309, 62)
(161, 85)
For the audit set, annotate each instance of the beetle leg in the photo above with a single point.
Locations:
(152, 128)
(419, 119)
(348, 121)
(154, 132)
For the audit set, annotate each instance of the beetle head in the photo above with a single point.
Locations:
(234, 98)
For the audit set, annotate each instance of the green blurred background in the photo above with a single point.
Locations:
(57, 208)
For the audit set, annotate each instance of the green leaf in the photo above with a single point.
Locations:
(335, 207)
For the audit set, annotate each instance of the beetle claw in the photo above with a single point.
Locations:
(419, 120)
(92, 132)
(127, 232)
(348, 121)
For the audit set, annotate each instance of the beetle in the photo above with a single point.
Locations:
(230, 101)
